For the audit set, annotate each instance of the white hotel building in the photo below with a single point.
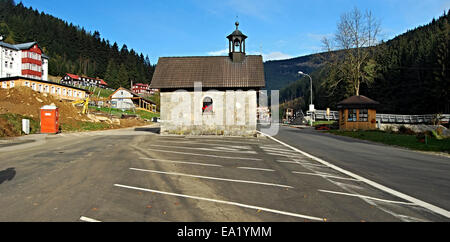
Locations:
(23, 60)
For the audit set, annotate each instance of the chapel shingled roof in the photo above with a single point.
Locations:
(211, 71)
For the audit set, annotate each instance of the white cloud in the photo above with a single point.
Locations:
(219, 52)
(276, 56)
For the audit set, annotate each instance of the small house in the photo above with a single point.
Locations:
(358, 113)
(125, 99)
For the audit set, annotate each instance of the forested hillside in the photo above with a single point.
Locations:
(71, 48)
(411, 74)
(281, 73)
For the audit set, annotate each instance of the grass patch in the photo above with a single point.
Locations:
(104, 93)
(402, 140)
(323, 123)
(11, 125)
(118, 112)
(84, 126)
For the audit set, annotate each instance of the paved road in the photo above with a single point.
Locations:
(423, 176)
(137, 175)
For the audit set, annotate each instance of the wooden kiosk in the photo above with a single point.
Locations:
(358, 113)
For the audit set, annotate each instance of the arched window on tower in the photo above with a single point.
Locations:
(207, 105)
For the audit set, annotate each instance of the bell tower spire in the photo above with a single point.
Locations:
(237, 45)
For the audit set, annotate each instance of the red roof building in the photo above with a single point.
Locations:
(141, 88)
(75, 80)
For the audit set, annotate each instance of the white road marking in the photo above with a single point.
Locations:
(371, 198)
(226, 141)
(224, 202)
(231, 148)
(257, 169)
(181, 162)
(278, 154)
(211, 178)
(300, 163)
(275, 149)
(286, 161)
(403, 196)
(311, 165)
(215, 156)
(85, 219)
(324, 175)
(209, 144)
(205, 149)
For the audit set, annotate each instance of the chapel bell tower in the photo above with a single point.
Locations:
(237, 45)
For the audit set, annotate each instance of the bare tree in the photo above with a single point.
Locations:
(350, 52)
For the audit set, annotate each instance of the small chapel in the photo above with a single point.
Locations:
(211, 95)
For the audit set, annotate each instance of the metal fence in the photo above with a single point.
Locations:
(386, 118)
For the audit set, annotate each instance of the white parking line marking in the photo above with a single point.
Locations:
(85, 219)
(206, 149)
(225, 202)
(226, 141)
(209, 144)
(211, 178)
(286, 161)
(284, 155)
(275, 149)
(181, 162)
(403, 196)
(324, 175)
(371, 198)
(257, 169)
(300, 163)
(215, 156)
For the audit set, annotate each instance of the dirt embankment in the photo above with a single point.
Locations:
(24, 101)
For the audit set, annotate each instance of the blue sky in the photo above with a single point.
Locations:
(278, 29)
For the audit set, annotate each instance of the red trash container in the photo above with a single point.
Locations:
(49, 120)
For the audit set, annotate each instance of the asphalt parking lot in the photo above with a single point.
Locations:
(140, 176)
(241, 180)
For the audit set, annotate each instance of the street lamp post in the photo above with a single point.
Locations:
(311, 106)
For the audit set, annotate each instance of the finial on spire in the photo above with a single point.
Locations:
(237, 24)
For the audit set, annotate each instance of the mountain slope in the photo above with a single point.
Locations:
(281, 73)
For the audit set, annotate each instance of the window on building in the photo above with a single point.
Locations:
(207, 105)
(4, 85)
(352, 115)
(27, 84)
(11, 84)
(363, 115)
(64, 92)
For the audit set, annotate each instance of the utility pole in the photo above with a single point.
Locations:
(1, 58)
(311, 106)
